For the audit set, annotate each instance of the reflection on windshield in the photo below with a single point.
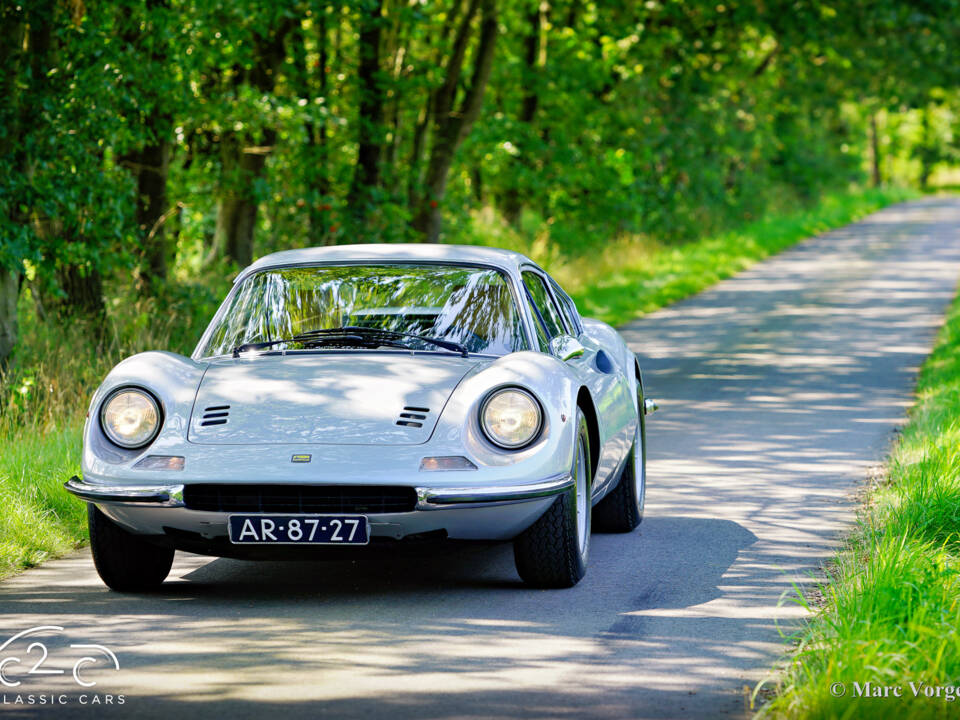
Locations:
(471, 306)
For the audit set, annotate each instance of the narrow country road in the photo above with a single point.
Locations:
(779, 389)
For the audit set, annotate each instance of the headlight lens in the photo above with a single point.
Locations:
(130, 418)
(511, 418)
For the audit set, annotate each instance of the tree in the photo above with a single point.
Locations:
(244, 152)
(370, 131)
(451, 120)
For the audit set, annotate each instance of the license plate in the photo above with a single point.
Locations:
(299, 529)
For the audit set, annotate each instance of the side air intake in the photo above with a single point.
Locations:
(215, 415)
(413, 416)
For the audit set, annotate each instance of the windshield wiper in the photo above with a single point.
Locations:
(392, 334)
(308, 338)
(359, 335)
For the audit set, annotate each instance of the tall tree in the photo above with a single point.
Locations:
(370, 130)
(146, 30)
(12, 230)
(452, 121)
(534, 62)
(244, 153)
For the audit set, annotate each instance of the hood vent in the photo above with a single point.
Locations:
(215, 415)
(413, 417)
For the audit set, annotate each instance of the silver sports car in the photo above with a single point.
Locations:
(371, 395)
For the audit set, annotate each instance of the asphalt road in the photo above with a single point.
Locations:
(779, 389)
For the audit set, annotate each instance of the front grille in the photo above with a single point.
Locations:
(300, 498)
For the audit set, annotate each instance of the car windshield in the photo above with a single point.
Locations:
(467, 305)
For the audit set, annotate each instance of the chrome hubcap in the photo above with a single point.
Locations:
(580, 481)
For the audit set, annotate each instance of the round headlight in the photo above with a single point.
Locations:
(130, 418)
(511, 418)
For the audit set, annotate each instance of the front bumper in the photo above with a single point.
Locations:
(475, 513)
(162, 495)
(427, 498)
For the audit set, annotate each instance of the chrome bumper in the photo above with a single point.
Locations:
(163, 495)
(427, 498)
(437, 498)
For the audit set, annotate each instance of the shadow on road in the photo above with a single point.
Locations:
(437, 619)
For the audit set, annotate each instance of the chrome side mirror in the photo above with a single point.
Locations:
(565, 347)
(649, 406)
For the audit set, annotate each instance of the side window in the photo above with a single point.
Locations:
(544, 305)
(543, 342)
(569, 310)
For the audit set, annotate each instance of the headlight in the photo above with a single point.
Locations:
(130, 418)
(511, 418)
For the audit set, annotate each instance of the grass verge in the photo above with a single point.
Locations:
(892, 606)
(38, 519)
(44, 401)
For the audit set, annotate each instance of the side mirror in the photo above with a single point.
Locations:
(565, 347)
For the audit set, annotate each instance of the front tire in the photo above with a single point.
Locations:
(552, 553)
(124, 561)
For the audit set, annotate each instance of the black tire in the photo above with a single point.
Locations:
(622, 509)
(124, 561)
(551, 553)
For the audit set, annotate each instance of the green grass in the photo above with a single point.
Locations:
(38, 519)
(892, 606)
(57, 368)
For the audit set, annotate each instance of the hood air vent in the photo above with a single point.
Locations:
(413, 417)
(215, 415)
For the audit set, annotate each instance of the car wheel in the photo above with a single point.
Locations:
(622, 509)
(552, 553)
(124, 561)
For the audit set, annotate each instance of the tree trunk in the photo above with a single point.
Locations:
(393, 123)
(237, 214)
(143, 29)
(243, 162)
(927, 149)
(366, 175)
(12, 28)
(535, 60)
(314, 150)
(875, 151)
(83, 287)
(415, 180)
(152, 166)
(9, 293)
(451, 125)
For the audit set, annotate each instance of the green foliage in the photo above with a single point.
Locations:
(668, 119)
(892, 607)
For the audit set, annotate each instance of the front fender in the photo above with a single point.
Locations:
(554, 386)
(171, 378)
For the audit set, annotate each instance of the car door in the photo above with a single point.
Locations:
(555, 316)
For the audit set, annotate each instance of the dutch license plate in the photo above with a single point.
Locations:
(299, 529)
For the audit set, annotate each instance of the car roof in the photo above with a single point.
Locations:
(392, 252)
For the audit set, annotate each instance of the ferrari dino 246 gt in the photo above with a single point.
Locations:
(366, 395)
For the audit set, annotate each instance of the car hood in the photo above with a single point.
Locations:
(336, 399)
